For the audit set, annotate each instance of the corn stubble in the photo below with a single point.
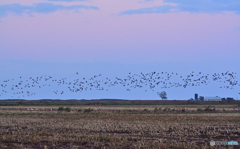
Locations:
(106, 129)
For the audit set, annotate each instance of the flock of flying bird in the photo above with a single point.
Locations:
(152, 80)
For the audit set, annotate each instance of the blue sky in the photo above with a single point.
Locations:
(59, 38)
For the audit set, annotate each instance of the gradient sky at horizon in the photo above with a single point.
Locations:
(113, 38)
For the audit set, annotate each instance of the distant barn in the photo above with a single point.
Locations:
(212, 99)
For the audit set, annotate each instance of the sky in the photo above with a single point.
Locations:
(75, 39)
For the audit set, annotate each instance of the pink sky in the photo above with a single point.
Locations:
(102, 33)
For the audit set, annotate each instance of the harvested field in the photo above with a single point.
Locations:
(118, 127)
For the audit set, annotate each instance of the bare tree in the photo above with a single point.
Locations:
(163, 95)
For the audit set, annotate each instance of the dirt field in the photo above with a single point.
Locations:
(118, 126)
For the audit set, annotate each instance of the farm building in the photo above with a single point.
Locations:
(212, 98)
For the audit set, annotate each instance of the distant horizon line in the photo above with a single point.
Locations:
(112, 99)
